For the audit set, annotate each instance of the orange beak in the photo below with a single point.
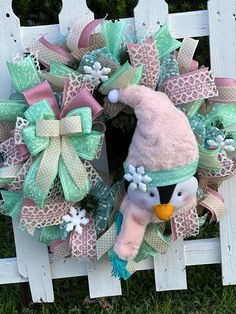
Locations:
(163, 211)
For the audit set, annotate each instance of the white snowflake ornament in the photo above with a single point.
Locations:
(137, 178)
(96, 74)
(75, 219)
(17, 58)
(225, 145)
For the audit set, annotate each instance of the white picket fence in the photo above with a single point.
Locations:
(33, 263)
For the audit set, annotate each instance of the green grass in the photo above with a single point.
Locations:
(205, 294)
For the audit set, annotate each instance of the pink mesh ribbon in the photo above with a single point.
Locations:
(41, 92)
(190, 86)
(50, 215)
(48, 52)
(185, 224)
(214, 202)
(226, 91)
(186, 53)
(83, 246)
(146, 54)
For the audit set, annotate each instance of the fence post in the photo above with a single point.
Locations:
(222, 25)
(33, 261)
(74, 11)
(169, 269)
(11, 43)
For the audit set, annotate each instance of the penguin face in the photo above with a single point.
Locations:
(146, 199)
(164, 200)
(184, 192)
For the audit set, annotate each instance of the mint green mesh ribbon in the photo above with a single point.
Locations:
(124, 76)
(113, 33)
(168, 68)
(61, 70)
(225, 113)
(12, 203)
(105, 202)
(90, 58)
(11, 109)
(198, 126)
(51, 233)
(209, 159)
(169, 176)
(24, 75)
(164, 42)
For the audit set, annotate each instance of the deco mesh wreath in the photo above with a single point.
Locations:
(52, 128)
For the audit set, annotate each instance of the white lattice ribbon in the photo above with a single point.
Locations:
(186, 53)
(146, 54)
(185, 223)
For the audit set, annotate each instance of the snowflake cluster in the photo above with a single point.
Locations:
(96, 74)
(137, 178)
(75, 219)
(225, 145)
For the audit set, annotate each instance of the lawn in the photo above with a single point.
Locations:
(205, 294)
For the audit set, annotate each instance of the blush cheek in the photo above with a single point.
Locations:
(186, 198)
(142, 203)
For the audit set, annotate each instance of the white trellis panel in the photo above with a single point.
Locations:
(33, 263)
(151, 14)
(222, 23)
(73, 11)
(10, 43)
(169, 268)
(30, 253)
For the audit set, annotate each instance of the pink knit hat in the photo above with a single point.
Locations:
(163, 141)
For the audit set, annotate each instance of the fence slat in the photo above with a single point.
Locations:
(11, 43)
(150, 15)
(169, 268)
(189, 24)
(101, 283)
(222, 24)
(72, 11)
(228, 233)
(33, 263)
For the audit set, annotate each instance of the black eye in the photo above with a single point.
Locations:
(152, 194)
(179, 194)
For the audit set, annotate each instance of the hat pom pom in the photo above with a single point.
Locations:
(113, 96)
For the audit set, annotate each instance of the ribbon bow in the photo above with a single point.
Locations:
(59, 139)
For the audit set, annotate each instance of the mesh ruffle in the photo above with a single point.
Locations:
(76, 84)
(83, 246)
(185, 224)
(20, 125)
(50, 215)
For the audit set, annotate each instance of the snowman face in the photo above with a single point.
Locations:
(182, 194)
